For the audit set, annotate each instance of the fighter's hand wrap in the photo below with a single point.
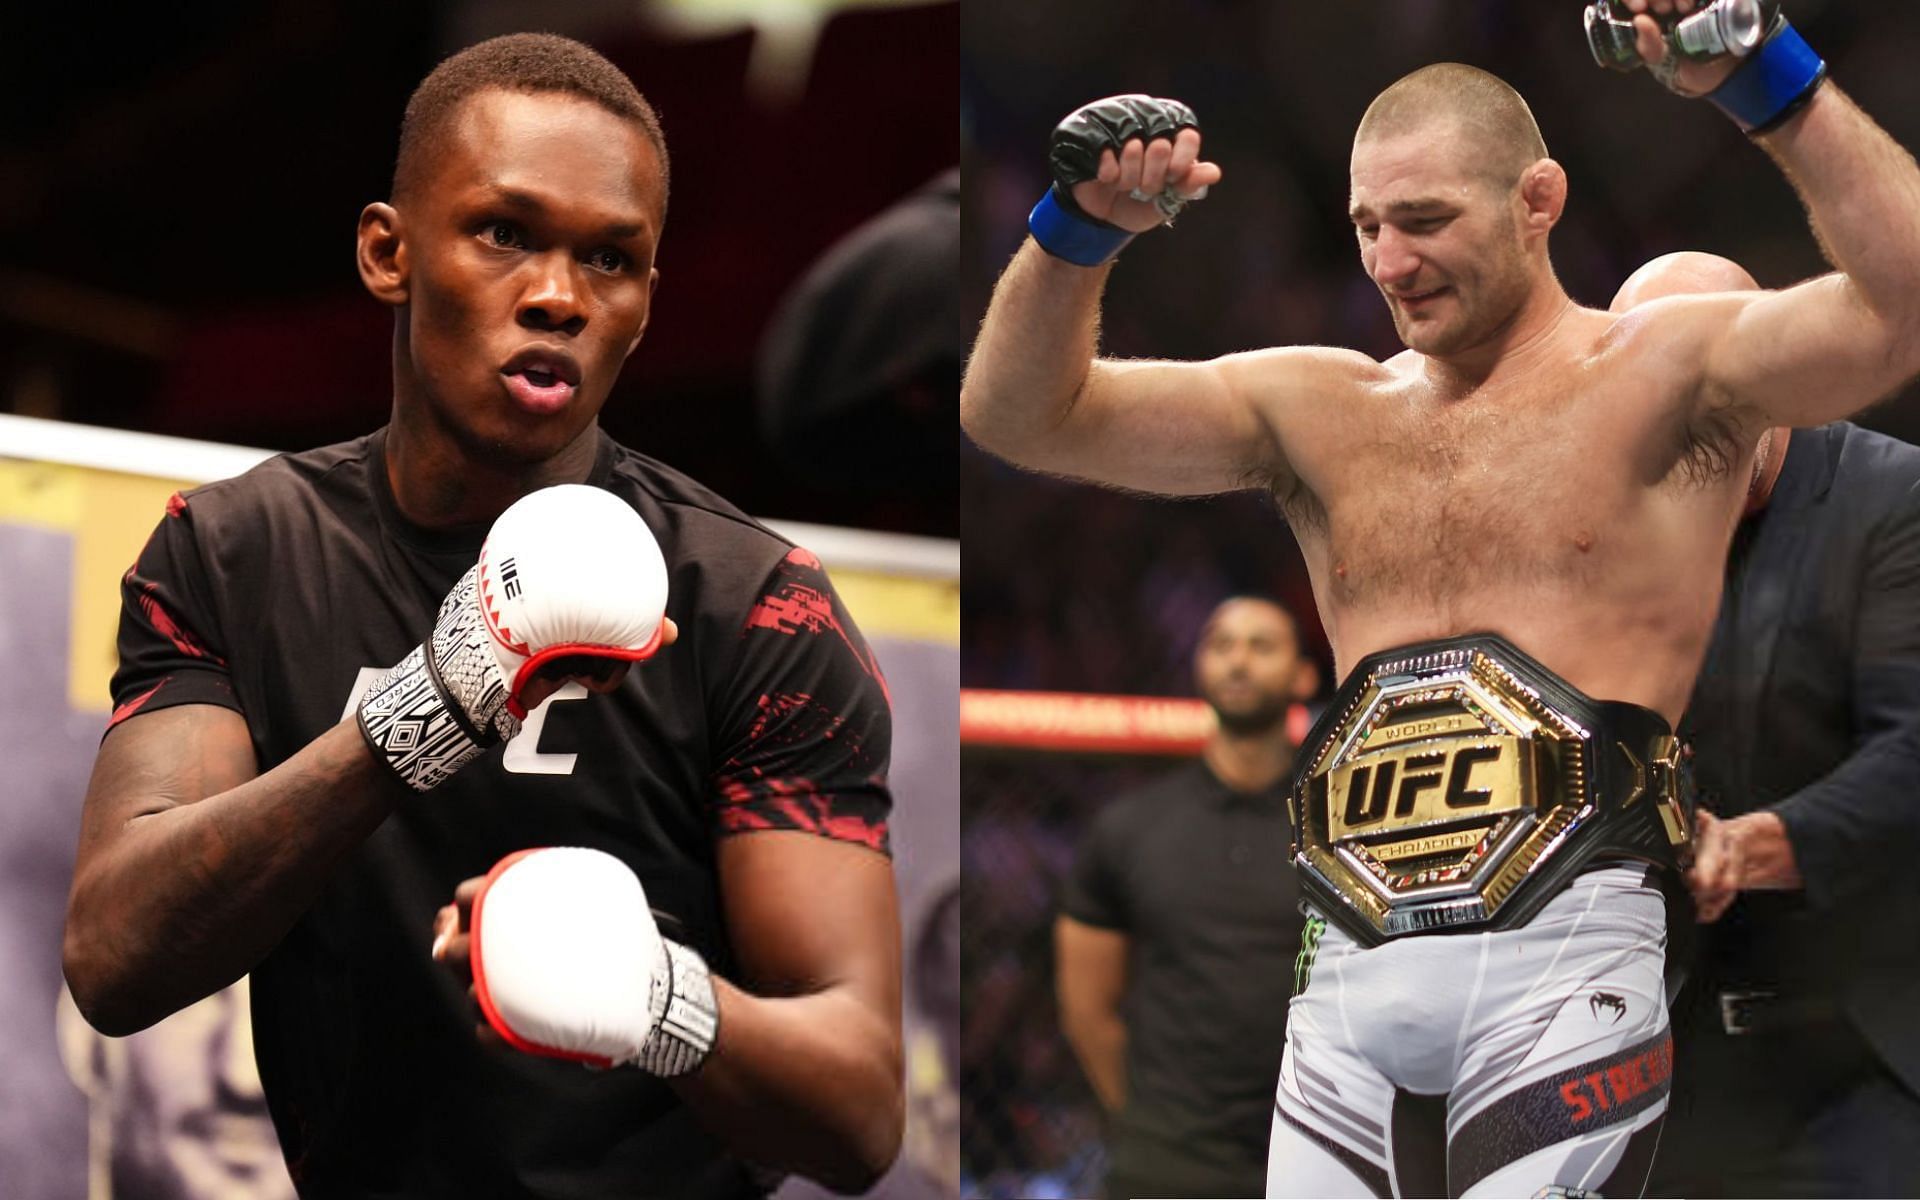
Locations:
(1775, 82)
(567, 571)
(1061, 227)
(568, 963)
(1777, 75)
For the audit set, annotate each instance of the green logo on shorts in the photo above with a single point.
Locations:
(1309, 946)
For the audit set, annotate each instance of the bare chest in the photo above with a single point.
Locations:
(1433, 501)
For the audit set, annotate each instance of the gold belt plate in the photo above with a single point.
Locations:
(1445, 781)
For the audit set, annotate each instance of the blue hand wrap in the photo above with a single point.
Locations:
(1077, 239)
(1773, 84)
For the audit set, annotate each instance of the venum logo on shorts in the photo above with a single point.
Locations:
(1603, 1004)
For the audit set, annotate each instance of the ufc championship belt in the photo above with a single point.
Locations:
(1457, 785)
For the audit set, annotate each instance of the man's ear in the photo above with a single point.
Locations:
(1543, 195)
(653, 285)
(381, 253)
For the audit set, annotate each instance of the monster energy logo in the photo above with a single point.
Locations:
(1309, 946)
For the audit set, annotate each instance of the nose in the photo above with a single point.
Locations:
(1235, 657)
(1394, 259)
(551, 302)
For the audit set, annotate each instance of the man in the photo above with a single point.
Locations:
(1514, 532)
(1797, 1069)
(1178, 924)
(271, 798)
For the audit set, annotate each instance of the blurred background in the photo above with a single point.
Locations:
(178, 196)
(1072, 589)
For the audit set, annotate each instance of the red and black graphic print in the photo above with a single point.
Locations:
(813, 756)
(165, 657)
(146, 596)
(800, 600)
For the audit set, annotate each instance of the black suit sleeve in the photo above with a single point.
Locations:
(1853, 828)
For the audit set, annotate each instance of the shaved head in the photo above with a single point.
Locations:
(1495, 128)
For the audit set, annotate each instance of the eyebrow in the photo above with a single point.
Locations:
(529, 203)
(1401, 208)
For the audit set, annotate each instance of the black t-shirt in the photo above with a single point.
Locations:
(1197, 876)
(283, 593)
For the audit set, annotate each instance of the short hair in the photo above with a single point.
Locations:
(1486, 107)
(1286, 614)
(517, 62)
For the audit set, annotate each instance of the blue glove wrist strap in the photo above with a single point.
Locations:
(1077, 239)
(1773, 84)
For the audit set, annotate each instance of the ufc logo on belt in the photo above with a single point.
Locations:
(1428, 782)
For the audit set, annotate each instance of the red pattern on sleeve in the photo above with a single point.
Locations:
(133, 706)
(163, 621)
(794, 804)
(751, 798)
(800, 601)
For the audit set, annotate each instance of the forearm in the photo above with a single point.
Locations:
(1033, 353)
(188, 898)
(811, 1084)
(1862, 192)
(1099, 1041)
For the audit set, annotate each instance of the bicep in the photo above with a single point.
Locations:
(1091, 965)
(160, 760)
(1197, 428)
(808, 914)
(1802, 356)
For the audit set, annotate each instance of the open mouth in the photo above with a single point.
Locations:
(539, 391)
(541, 381)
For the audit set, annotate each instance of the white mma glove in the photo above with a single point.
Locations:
(568, 963)
(566, 571)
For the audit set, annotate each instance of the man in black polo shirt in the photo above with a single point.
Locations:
(1179, 928)
(248, 814)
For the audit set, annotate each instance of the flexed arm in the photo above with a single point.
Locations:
(1035, 392)
(1831, 346)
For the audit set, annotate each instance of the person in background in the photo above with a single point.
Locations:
(1179, 925)
(1797, 1065)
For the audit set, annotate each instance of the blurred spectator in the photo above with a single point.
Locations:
(1179, 927)
(859, 373)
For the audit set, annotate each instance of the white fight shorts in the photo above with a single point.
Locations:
(1547, 1044)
